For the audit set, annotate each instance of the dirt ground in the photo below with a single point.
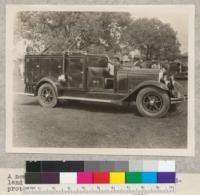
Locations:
(95, 125)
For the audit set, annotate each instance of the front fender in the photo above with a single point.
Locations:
(51, 80)
(151, 83)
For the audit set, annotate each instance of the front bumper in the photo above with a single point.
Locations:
(177, 100)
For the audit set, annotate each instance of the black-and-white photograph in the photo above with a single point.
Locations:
(100, 77)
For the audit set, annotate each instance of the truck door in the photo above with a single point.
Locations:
(75, 72)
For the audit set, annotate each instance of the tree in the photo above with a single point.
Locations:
(59, 31)
(102, 32)
(154, 38)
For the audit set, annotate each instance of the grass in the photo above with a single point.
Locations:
(95, 125)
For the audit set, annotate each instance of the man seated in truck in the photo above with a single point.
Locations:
(112, 67)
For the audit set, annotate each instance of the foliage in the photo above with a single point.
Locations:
(104, 32)
(154, 39)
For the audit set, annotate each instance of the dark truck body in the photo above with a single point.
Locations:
(81, 76)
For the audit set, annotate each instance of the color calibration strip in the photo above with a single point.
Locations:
(100, 172)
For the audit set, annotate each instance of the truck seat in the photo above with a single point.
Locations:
(102, 75)
(98, 72)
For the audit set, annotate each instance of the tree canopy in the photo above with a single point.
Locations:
(104, 32)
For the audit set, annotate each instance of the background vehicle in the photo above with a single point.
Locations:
(86, 77)
(179, 70)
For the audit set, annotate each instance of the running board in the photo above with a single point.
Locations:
(22, 93)
(87, 99)
(76, 98)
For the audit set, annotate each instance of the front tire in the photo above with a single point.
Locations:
(152, 102)
(47, 96)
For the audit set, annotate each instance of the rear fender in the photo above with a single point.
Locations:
(134, 92)
(51, 80)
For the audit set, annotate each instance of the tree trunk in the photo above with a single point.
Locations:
(147, 52)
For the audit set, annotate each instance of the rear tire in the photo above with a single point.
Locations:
(152, 102)
(47, 96)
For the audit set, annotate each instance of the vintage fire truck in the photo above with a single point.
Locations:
(88, 77)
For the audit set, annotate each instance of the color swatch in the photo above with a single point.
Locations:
(101, 178)
(84, 178)
(68, 178)
(117, 178)
(100, 172)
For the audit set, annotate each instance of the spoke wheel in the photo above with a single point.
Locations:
(152, 102)
(47, 96)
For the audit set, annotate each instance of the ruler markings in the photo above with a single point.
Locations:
(90, 189)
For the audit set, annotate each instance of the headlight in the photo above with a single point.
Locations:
(160, 76)
(168, 80)
(172, 79)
